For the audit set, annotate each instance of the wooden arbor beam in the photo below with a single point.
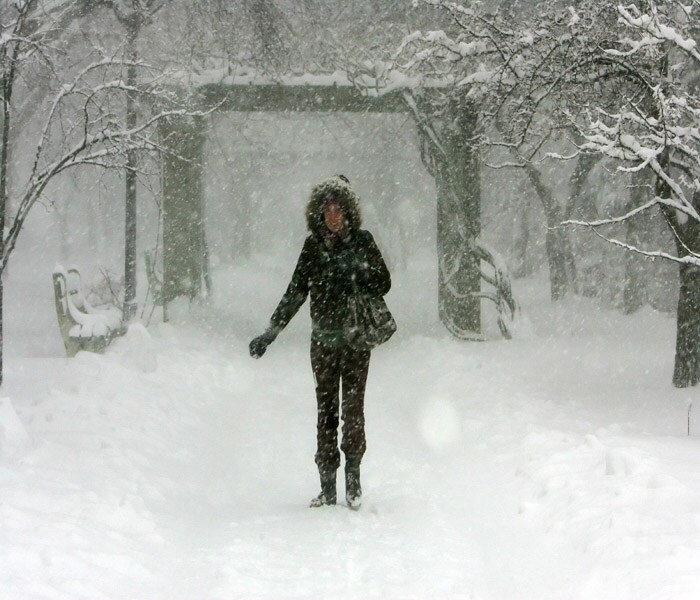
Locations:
(298, 98)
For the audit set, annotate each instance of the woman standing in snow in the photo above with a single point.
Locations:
(337, 257)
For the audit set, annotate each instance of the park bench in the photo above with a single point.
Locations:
(82, 326)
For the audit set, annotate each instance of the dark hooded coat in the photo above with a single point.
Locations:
(330, 266)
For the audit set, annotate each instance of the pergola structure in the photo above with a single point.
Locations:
(453, 162)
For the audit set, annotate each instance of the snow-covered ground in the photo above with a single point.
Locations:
(556, 465)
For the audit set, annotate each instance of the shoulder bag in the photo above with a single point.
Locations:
(369, 322)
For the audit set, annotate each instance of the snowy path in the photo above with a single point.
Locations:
(177, 467)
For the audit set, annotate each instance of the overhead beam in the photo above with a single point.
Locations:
(300, 98)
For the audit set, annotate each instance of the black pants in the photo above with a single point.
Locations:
(330, 366)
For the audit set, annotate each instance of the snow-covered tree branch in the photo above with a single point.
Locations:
(619, 82)
(81, 121)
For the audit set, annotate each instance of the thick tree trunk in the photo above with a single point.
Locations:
(687, 238)
(686, 371)
(458, 226)
(451, 157)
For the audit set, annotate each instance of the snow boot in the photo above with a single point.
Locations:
(353, 489)
(328, 492)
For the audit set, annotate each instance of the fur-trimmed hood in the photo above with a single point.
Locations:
(343, 193)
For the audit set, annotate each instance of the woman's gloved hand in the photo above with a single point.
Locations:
(258, 345)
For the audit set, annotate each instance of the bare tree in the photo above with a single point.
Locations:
(78, 124)
(133, 16)
(621, 82)
(657, 130)
(480, 53)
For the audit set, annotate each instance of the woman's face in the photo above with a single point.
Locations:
(333, 216)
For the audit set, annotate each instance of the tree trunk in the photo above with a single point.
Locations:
(524, 264)
(458, 226)
(3, 210)
(560, 256)
(266, 29)
(687, 239)
(634, 294)
(686, 371)
(687, 364)
(452, 158)
(577, 185)
(7, 84)
(129, 310)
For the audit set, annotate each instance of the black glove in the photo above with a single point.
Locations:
(259, 344)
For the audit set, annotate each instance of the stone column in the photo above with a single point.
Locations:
(184, 247)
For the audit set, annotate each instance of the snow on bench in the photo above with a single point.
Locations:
(82, 326)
